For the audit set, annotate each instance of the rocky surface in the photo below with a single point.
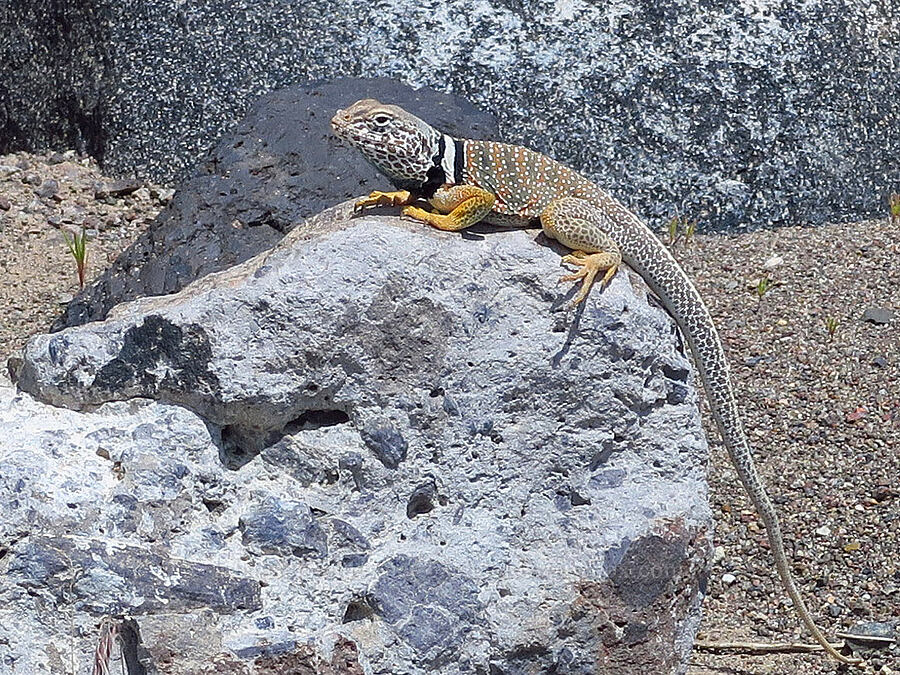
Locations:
(280, 165)
(393, 449)
(738, 114)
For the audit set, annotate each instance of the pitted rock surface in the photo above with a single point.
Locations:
(391, 448)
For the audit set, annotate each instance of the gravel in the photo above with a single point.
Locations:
(42, 196)
(818, 382)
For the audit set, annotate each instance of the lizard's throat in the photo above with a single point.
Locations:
(450, 158)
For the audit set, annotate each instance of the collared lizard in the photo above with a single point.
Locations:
(468, 181)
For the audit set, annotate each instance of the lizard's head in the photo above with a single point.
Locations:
(398, 144)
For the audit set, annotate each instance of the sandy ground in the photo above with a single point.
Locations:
(819, 385)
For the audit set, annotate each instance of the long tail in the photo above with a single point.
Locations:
(652, 260)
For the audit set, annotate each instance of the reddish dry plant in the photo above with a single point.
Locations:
(108, 633)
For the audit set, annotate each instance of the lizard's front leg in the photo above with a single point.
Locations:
(377, 198)
(578, 224)
(458, 207)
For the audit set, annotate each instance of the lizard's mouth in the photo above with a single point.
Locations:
(339, 123)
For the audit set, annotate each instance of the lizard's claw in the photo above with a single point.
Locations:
(590, 265)
(378, 198)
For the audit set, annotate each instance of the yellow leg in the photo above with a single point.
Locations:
(397, 198)
(579, 224)
(461, 206)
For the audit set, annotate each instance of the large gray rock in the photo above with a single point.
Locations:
(395, 449)
(739, 114)
(280, 165)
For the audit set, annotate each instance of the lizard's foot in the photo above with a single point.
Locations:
(378, 198)
(591, 265)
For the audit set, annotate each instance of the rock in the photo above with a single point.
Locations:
(105, 578)
(878, 315)
(47, 189)
(116, 188)
(275, 526)
(880, 361)
(257, 185)
(4, 204)
(372, 424)
(736, 115)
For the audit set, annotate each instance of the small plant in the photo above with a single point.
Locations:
(894, 202)
(77, 244)
(831, 325)
(672, 227)
(763, 286)
(681, 226)
(689, 230)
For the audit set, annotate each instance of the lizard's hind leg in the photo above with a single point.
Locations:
(578, 224)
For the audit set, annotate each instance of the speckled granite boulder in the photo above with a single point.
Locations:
(280, 165)
(397, 448)
(738, 114)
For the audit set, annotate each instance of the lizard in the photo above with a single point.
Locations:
(471, 181)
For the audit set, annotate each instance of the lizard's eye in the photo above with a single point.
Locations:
(380, 121)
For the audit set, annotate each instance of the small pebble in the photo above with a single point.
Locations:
(728, 578)
(878, 315)
(48, 189)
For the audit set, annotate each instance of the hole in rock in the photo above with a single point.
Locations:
(214, 505)
(357, 610)
(236, 449)
(316, 419)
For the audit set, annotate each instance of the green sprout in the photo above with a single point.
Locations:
(894, 203)
(763, 286)
(77, 244)
(673, 230)
(831, 325)
(690, 228)
(680, 226)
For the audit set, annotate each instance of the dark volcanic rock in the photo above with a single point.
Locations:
(736, 114)
(281, 165)
(113, 578)
(282, 528)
